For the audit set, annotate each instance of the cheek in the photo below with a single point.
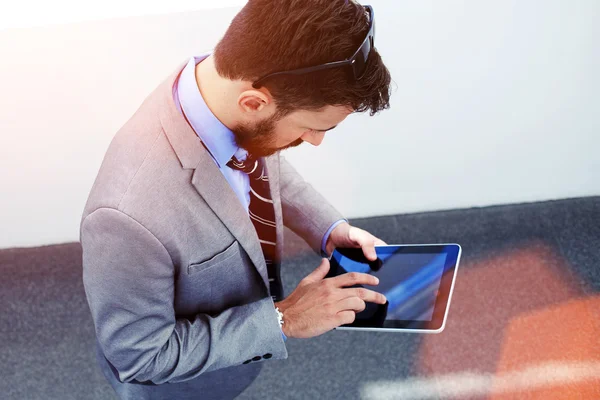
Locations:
(290, 135)
(284, 132)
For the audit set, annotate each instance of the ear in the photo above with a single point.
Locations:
(254, 100)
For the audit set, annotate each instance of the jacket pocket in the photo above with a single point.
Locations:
(231, 251)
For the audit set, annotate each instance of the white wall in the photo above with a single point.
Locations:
(496, 102)
(32, 13)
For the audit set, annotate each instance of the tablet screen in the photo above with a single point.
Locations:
(416, 280)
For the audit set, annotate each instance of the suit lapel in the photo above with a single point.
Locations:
(215, 190)
(210, 183)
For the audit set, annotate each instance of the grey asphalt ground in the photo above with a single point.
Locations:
(518, 261)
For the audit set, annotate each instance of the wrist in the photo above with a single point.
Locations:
(331, 240)
(329, 247)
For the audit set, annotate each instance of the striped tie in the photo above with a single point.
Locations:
(262, 215)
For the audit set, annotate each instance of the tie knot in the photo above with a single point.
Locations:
(249, 165)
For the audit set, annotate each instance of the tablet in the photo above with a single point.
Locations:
(417, 281)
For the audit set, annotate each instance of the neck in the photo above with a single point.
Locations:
(218, 92)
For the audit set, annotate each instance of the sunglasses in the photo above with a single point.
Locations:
(355, 65)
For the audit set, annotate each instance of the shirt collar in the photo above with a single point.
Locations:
(219, 140)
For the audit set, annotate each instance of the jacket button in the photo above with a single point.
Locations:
(256, 358)
(247, 361)
(268, 355)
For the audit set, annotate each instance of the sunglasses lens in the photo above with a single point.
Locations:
(359, 64)
(360, 61)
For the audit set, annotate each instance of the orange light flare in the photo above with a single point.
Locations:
(516, 315)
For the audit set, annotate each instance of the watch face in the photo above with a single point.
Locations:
(279, 315)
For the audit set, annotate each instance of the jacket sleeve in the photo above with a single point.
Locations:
(305, 211)
(128, 277)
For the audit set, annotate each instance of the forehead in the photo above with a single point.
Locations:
(325, 118)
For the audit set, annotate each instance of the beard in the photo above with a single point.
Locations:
(259, 140)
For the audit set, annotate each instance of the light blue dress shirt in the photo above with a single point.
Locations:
(219, 140)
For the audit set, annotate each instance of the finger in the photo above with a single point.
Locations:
(346, 317)
(367, 295)
(369, 251)
(352, 303)
(319, 273)
(354, 278)
(367, 242)
(379, 242)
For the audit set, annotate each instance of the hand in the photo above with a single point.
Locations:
(346, 235)
(318, 305)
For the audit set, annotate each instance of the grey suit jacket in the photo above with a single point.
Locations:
(173, 270)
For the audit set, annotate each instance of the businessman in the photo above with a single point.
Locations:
(182, 233)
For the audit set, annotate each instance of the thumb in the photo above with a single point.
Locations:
(320, 272)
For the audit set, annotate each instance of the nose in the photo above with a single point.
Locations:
(314, 138)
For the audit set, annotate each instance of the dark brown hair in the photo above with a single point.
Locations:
(277, 35)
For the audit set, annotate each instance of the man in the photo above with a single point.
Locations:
(182, 233)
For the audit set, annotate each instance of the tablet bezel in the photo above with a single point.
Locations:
(442, 304)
